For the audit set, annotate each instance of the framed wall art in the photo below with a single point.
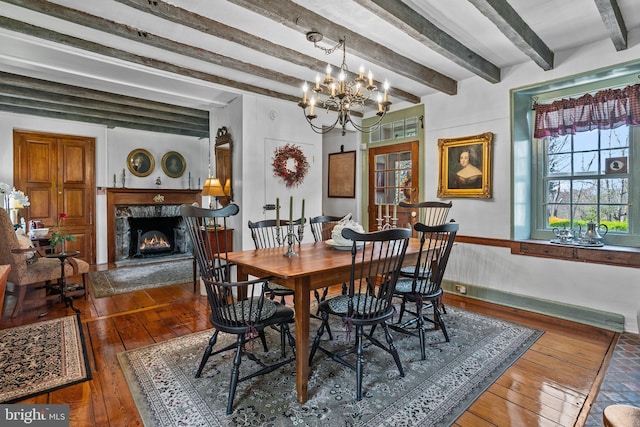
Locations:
(465, 166)
(140, 162)
(342, 174)
(173, 164)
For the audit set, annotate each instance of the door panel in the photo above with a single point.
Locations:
(393, 177)
(57, 173)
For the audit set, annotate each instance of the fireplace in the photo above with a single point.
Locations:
(147, 223)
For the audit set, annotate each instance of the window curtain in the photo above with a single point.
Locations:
(607, 109)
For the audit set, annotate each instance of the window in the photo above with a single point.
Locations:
(395, 130)
(586, 177)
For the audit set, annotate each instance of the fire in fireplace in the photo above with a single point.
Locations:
(155, 236)
(152, 243)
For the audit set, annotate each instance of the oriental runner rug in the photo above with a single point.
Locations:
(42, 357)
(433, 392)
(142, 276)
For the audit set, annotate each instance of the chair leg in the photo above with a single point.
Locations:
(207, 353)
(264, 340)
(439, 321)
(359, 362)
(392, 349)
(22, 291)
(292, 341)
(85, 284)
(316, 341)
(235, 373)
(421, 333)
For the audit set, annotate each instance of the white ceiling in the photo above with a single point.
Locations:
(560, 24)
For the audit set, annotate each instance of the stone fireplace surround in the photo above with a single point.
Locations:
(125, 202)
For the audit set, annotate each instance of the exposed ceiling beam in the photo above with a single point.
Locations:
(159, 109)
(64, 39)
(26, 95)
(614, 22)
(513, 26)
(217, 29)
(417, 26)
(298, 18)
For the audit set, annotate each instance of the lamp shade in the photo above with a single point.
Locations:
(212, 187)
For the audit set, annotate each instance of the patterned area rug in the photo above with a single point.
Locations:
(433, 392)
(41, 357)
(143, 276)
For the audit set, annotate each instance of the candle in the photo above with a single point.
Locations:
(277, 211)
(302, 214)
(304, 92)
(317, 82)
(386, 210)
(395, 207)
(379, 211)
(370, 78)
(361, 75)
(291, 209)
(386, 91)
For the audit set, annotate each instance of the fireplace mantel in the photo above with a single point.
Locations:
(140, 196)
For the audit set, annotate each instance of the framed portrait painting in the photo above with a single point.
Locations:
(140, 162)
(173, 164)
(465, 166)
(342, 174)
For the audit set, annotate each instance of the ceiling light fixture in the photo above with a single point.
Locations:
(344, 95)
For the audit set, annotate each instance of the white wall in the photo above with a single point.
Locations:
(112, 148)
(481, 107)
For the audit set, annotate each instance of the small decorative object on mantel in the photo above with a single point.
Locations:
(123, 177)
(281, 157)
(158, 182)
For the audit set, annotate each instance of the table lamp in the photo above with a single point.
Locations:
(213, 188)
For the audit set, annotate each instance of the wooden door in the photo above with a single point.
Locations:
(393, 177)
(57, 172)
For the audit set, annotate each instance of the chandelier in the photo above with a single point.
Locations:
(343, 95)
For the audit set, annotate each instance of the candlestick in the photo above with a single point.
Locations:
(302, 214)
(278, 212)
(291, 209)
(395, 207)
(379, 211)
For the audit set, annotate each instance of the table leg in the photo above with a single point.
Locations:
(302, 308)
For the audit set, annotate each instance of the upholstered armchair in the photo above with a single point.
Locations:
(27, 268)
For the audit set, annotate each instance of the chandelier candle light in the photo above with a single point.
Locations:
(344, 95)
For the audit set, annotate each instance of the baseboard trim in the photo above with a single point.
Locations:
(601, 319)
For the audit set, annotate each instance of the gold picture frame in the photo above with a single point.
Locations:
(466, 166)
(140, 162)
(173, 164)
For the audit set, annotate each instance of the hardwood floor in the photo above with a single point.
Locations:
(553, 384)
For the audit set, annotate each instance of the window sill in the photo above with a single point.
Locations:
(610, 255)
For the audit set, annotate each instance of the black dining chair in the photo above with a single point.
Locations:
(428, 213)
(238, 308)
(268, 234)
(375, 268)
(321, 228)
(424, 288)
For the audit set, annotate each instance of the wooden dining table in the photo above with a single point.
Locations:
(316, 265)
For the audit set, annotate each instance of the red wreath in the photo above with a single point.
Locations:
(292, 178)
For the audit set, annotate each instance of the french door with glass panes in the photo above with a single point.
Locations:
(393, 177)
